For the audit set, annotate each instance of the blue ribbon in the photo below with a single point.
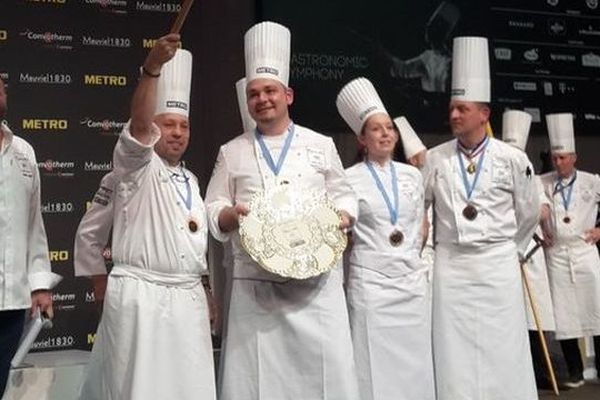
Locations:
(276, 168)
(187, 200)
(469, 188)
(566, 200)
(392, 210)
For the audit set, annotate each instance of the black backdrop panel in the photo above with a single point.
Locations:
(71, 67)
(403, 47)
(545, 56)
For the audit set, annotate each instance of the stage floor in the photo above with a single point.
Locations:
(589, 391)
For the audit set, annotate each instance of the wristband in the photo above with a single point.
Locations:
(144, 71)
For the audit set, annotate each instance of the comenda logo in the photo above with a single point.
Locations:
(59, 255)
(105, 80)
(47, 37)
(46, 124)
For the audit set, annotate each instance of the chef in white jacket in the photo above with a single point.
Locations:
(26, 278)
(286, 339)
(154, 339)
(486, 209)
(573, 263)
(248, 125)
(93, 235)
(387, 286)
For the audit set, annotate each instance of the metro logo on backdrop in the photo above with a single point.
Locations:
(59, 255)
(105, 80)
(91, 337)
(3, 35)
(35, 124)
(149, 43)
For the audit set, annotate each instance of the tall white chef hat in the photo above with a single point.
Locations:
(515, 128)
(267, 51)
(247, 122)
(357, 101)
(410, 141)
(174, 85)
(470, 69)
(561, 132)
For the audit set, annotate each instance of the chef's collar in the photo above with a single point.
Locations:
(8, 136)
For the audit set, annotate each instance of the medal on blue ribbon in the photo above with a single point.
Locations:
(566, 198)
(187, 199)
(470, 212)
(396, 237)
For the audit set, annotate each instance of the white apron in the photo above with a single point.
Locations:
(573, 265)
(537, 273)
(480, 342)
(574, 272)
(286, 341)
(390, 319)
(388, 289)
(147, 320)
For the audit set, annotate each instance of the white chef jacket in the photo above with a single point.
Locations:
(94, 230)
(505, 197)
(480, 342)
(286, 338)
(573, 264)
(148, 236)
(371, 239)
(24, 260)
(388, 289)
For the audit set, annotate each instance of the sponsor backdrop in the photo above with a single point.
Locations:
(545, 55)
(71, 67)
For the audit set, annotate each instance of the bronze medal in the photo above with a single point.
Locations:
(471, 168)
(396, 238)
(566, 219)
(192, 225)
(470, 212)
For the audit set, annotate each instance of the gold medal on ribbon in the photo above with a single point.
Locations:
(292, 232)
(471, 168)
